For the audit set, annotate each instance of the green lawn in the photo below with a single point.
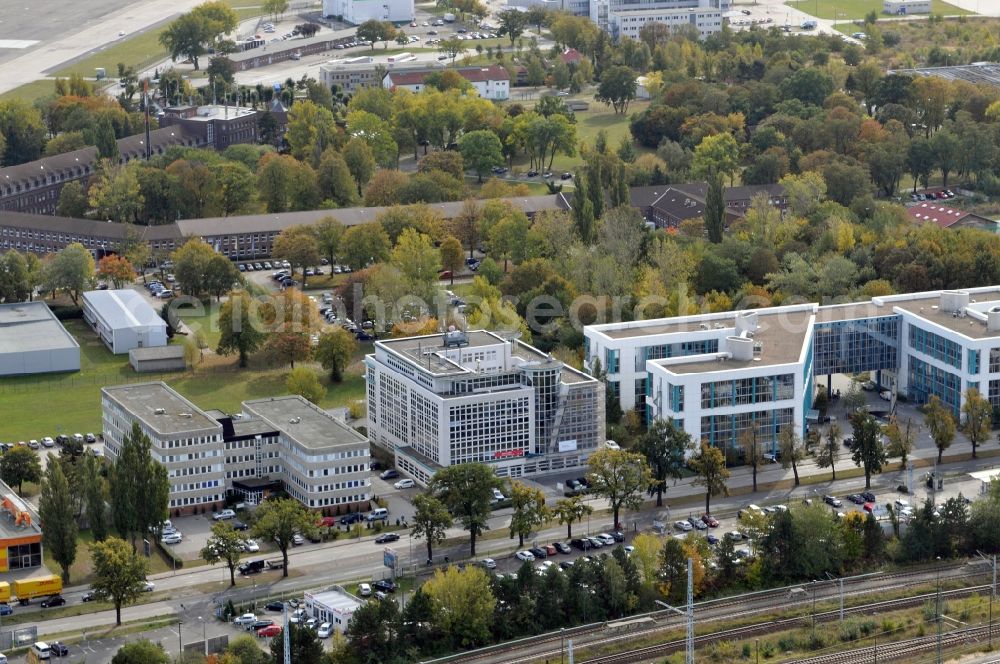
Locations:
(67, 403)
(855, 9)
(29, 92)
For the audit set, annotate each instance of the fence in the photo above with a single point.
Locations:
(18, 638)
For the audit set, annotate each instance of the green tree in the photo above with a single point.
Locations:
(709, 463)
(941, 423)
(664, 447)
(298, 246)
(305, 383)
(71, 270)
(274, 9)
(512, 23)
(94, 498)
(376, 31)
(105, 140)
(139, 487)
(583, 210)
(791, 451)
(336, 184)
(481, 150)
(617, 88)
(334, 352)
(716, 154)
(244, 650)
(278, 521)
(191, 34)
(115, 193)
(19, 465)
(304, 644)
(238, 329)
(901, 439)
(55, 507)
(431, 521)
(978, 418)
(219, 276)
(868, 451)
(225, 544)
(311, 130)
(715, 209)
(621, 477)
(73, 201)
(595, 187)
(329, 232)
(570, 510)
(237, 188)
(191, 261)
(360, 161)
(14, 277)
(529, 508)
(141, 651)
(452, 256)
(418, 260)
(467, 491)
(364, 244)
(285, 184)
(463, 604)
(119, 573)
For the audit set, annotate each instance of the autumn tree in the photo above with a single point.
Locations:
(709, 463)
(829, 450)
(941, 423)
(978, 418)
(570, 510)
(290, 317)
(119, 573)
(529, 508)
(791, 451)
(117, 269)
(335, 350)
(298, 246)
(452, 256)
(305, 383)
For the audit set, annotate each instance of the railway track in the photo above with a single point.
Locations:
(749, 631)
(908, 649)
(548, 645)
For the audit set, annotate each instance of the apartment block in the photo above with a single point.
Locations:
(461, 397)
(625, 18)
(717, 375)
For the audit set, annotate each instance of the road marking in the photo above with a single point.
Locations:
(17, 43)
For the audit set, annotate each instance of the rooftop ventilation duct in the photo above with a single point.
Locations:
(954, 301)
(741, 348)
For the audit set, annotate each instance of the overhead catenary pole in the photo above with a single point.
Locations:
(689, 659)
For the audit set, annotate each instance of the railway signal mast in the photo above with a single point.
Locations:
(688, 613)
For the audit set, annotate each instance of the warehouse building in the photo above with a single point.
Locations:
(335, 606)
(32, 341)
(906, 7)
(445, 399)
(158, 359)
(124, 320)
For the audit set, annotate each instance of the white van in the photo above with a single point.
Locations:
(41, 650)
(380, 514)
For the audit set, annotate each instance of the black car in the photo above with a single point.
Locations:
(258, 624)
(239, 525)
(532, 173)
(350, 518)
(59, 649)
(566, 564)
(88, 596)
(275, 606)
(538, 552)
(387, 537)
(849, 443)
(856, 498)
(562, 547)
(566, 176)
(618, 536)
(868, 496)
(390, 474)
(581, 544)
(54, 600)
(385, 585)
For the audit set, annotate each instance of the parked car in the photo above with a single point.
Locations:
(239, 525)
(488, 563)
(562, 547)
(86, 597)
(385, 538)
(856, 498)
(275, 606)
(734, 535)
(697, 523)
(832, 501)
(365, 590)
(172, 538)
(298, 540)
(580, 543)
(59, 649)
(259, 624)
(526, 556)
(405, 484)
(245, 619)
(223, 515)
(606, 539)
(868, 496)
(90, 438)
(349, 519)
(251, 546)
(385, 585)
(324, 631)
(269, 631)
(682, 526)
(538, 552)
(710, 520)
(747, 510)
(390, 474)
(595, 543)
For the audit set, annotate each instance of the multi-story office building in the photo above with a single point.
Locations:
(183, 439)
(445, 399)
(282, 443)
(716, 375)
(625, 18)
(359, 11)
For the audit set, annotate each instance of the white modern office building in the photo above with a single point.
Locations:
(460, 397)
(124, 320)
(716, 375)
(281, 443)
(625, 18)
(359, 11)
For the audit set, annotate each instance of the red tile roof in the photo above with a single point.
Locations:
(571, 55)
(938, 214)
(471, 74)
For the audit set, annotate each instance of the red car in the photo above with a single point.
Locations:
(269, 631)
(710, 520)
(869, 507)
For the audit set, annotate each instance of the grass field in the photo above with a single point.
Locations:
(853, 9)
(47, 405)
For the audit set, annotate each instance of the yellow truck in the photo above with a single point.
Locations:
(40, 586)
(4, 592)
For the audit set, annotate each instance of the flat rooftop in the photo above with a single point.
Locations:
(928, 309)
(781, 337)
(179, 415)
(124, 308)
(219, 112)
(308, 425)
(336, 600)
(425, 350)
(31, 326)
(8, 528)
(851, 311)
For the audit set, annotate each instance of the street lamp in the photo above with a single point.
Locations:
(204, 633)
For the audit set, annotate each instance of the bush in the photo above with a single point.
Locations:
(66, 312)
(172, 558)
